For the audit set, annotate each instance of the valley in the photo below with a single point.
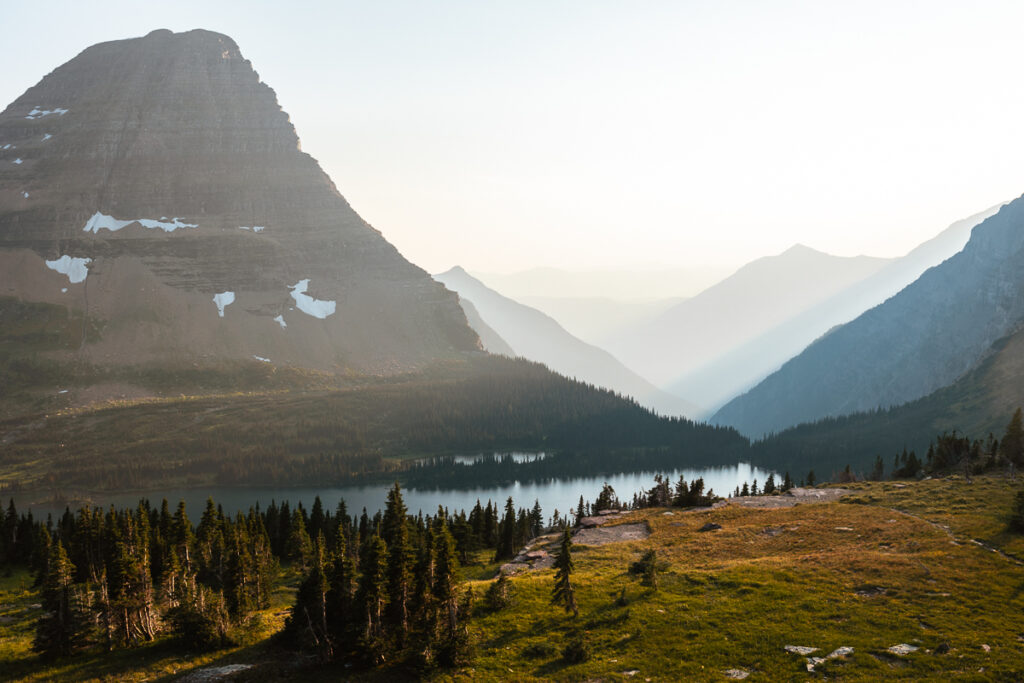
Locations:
(249, 433)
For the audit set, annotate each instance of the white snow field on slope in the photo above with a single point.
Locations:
(223, 300)
(72, 266)
(309, 305)
(101, 221)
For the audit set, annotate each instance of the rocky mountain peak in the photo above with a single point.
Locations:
(167, 172)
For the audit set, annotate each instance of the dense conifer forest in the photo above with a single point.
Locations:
(314, 438)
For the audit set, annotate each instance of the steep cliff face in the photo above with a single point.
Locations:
(920, 340)
(156, 184)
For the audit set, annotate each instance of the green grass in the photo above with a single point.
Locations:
(726, 599)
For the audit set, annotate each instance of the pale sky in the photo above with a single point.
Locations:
(580, 135)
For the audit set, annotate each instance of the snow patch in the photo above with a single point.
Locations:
(73, 267)
(63, 290)
(7, 146)
(265, 360)
(101, 221)
(46, 137)
(242, 227)
(254, 228)
(38, 113)
(309, 305)
(280, 321)
(222, 300)
(164, 225)
(18, 161)
(63, 391)
(25, 195)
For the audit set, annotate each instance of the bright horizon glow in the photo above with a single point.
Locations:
(601, 135)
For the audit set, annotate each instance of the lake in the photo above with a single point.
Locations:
(562, 494)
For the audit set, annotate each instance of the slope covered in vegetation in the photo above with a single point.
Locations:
(905, 580)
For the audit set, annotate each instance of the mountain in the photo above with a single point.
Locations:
(979, 403)
(620, 284)
(920, 340)
(754, 299)
(155, 187)
(741, 368)
(596, 319)
(491, 340)
(538, 337)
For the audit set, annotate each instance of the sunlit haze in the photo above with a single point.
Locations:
(582, 135)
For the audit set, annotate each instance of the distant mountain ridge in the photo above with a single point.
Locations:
(920, 340)
(741, 368)
(536, 336)
(752, 300)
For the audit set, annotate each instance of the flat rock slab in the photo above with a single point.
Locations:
(600, 518)
(736, 674)
(611, 534)
(791, 498)
(839, 652)
(801, 650)
(903, 649)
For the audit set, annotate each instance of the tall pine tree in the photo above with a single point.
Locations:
(61, 629)
(564, 593)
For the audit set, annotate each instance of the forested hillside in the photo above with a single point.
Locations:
(294, 437)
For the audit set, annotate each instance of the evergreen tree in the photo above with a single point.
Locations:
(1013, 440)
(317, 519)
(372, 595)
(342, 579)
(507, 533)
(395, 532)
(606, 499)
(300, 546)
(811, 479)
(61, 629)
(536, 520)
(564, 593)
(445, 594)
(769, 485)
(1017, 515)
(491, 525)
(787, 483)
(308, 622)
(878, 471)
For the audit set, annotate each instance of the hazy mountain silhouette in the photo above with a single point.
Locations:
(756, 298)
(597, 319)
(741, 368)
(538, 337)
(920, 340)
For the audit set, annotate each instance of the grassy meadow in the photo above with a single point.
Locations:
(892, 563)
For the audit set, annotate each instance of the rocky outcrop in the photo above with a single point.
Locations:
(920, 340)
(170, 166)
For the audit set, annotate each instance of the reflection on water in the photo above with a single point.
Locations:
(516, 457)
(561, 494)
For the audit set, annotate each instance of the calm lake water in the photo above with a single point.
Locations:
(561, 494)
